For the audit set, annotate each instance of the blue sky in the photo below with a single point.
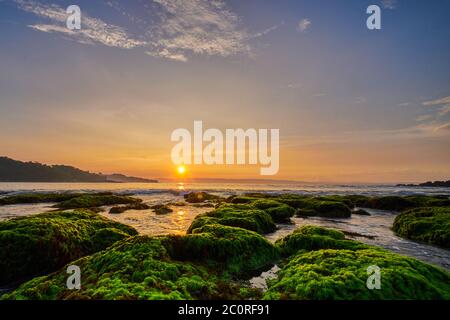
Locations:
(352, 104)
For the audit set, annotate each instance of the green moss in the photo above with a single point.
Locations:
(88, 201)
(42, 243)
(196, 266)
(309, 238)
(332, 274)
(242, 216)
(234, 250)
(323, 208)
(430, 224)
(279, 212)
(37, 198)
(242, 199)
(197, 197)
(429, 201)
(136, 268)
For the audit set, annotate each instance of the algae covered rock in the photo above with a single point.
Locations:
(161, 209)
(42, 243)
(197, 266)
(197, 197)
(324, 208)
(309, 238)
(137, 268)
(96, 200)
(242, 216)
(25, 198)
(279, 212)
(429, 224)
(361, 212)
(323, 265)
(133, 206)
(235, 250)
(332, 274)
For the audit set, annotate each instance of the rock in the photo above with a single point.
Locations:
(361, 212)
(97, 200)
(197, 197)
(161, 209)
(133, 206)
(242, 216)
(279, 212)
(42, 243)
(429, 224)
(325, 266)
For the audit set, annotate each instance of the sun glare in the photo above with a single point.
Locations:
(181, 169)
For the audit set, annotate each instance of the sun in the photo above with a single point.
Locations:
(181, 169)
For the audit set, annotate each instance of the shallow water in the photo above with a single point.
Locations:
(374, 230)
(147, 222)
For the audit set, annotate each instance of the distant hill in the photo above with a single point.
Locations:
(117, 177)
(428, 184)
(18, 171)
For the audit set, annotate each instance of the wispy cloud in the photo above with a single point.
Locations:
(164, 53)
(443, 105)
(444, 127)
(304, 25)
(93, 30)
(175, 30)
(389, 4)
(199, 27)
(359, 100)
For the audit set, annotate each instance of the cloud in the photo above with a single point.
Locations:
(304, 25)
(441, 101)
(389, 4)
(170, 29)
(200, 27)
(359, 100)
(444, 127)
(93, 30)
(443, 105)
(166, 54)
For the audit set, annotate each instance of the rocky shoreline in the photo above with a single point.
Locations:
(221, 251)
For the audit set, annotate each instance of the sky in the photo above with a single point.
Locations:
(352, 104)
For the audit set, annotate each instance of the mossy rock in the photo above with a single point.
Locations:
(26, 198)
(324, 208)
(136, 268)
(279, 212)
(337, 274)
(309, 238)
(198, 197)
(235, 250)
(89, 201)
(361, 212)
(133, 206)
(42, 243)
(430, 224)
(398, 203)
(161, 209)
(242, 216)
(394, 203)
(242, 199)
